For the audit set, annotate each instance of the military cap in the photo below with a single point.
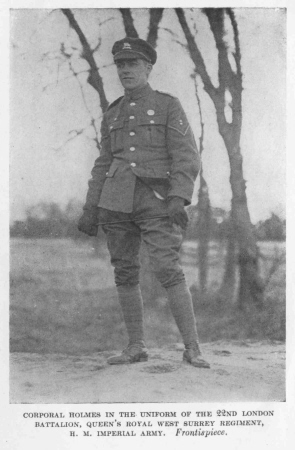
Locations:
(129, 48)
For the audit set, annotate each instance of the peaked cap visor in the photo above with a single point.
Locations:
(131, 48)
(128, 54)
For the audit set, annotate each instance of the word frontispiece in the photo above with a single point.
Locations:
(75, 400)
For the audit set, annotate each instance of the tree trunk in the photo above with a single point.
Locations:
(204, 209)
(226, 291)
(130, 29)
(251, 286)
(94, 78)
(230, 82)
(155, 19)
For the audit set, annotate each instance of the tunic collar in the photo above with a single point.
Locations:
(142, 91)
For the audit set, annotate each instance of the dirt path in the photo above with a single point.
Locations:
(240, 371)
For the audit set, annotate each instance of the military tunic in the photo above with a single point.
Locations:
(145, 134)
(148, 152)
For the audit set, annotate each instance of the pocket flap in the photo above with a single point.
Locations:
(117, 124)
(152, 120)
(111, 172)
(152, 172)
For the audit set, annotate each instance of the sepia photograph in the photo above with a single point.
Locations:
(147, 205)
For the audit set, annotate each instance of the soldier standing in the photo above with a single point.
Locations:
(141, 182)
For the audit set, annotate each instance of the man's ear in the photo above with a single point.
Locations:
(149, 68)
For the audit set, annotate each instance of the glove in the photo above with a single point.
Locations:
(88, 222)
(177, 212)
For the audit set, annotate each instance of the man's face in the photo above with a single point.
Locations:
(133, 73)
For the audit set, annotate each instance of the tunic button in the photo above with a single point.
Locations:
(132, 164)
(152, 121)
(132, 149)
(131, 117)
(132, 104)
(132, 133)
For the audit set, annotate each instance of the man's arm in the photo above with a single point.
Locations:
(88, 223)
(100, 168)
(185, 165)
(184, 153)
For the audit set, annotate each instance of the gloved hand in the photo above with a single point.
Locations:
(88, 222)
(177, 212)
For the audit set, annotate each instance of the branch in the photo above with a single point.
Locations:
(94, 78)
(215, 17)
(237, 82)
(201, 118)
(155, 19)
(237, 54)
(195, 55)
(228, 79)
(216, 95)
(100, 24)
(130, 29)
(60, 80)
(92, 121)
(74, 133)
(173, 34)
(177, 41)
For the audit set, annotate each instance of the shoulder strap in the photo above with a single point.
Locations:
(114, 103)
(166, 93)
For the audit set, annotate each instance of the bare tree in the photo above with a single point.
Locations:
(226, 291)
(94, 78)
(204, 210)
(87, 53)
(154, 21)
(128, 22)
(156, 15)
(230, 86)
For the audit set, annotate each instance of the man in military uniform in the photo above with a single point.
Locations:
(141, 182)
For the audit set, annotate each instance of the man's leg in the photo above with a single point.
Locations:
(181, 305)
(132, 307)
(123, 239)
(163, 240)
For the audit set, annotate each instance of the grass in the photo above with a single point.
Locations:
(63, 300)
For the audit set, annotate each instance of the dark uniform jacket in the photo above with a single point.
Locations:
(144, 134)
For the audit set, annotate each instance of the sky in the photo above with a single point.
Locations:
(47, 103)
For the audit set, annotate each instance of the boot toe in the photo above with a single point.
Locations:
(195, 359)
(129, 356)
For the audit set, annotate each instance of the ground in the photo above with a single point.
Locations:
(243, 371)
(65, 321)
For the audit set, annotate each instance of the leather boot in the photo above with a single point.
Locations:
(193, 356)
(132, 354)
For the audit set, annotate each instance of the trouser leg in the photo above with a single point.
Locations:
(165, 262)
(132, 307)
(181, 306)
(123, 240)
(163, 240)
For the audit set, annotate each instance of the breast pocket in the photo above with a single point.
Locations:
(152, 130)
(117, 136)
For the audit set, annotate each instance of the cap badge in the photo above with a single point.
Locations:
(151, 112)
(126, 46)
